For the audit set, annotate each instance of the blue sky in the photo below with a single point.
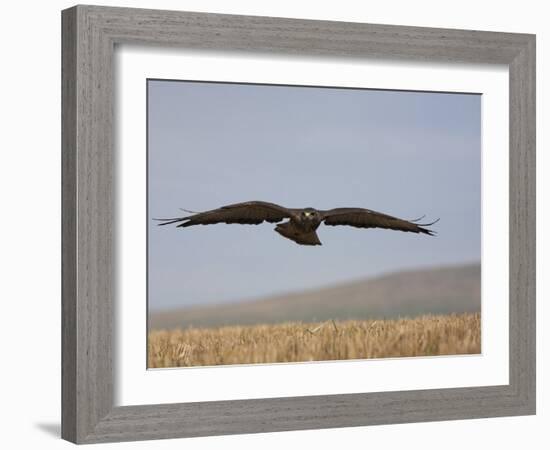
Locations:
(401, 153)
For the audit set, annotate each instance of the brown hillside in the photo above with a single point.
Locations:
(445, 290)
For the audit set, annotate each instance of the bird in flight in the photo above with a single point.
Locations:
(302, 222)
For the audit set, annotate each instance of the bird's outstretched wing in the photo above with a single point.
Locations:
(366, 218)
(252, 213)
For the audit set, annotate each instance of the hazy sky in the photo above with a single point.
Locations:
(401, 153)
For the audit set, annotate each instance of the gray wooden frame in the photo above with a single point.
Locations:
(89, 36)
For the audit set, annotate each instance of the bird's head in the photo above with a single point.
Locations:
(310, 214)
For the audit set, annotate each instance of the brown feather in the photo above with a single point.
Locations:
(289, 230)
(252, 213)
(366, 218)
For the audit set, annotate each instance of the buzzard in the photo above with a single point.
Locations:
(302, 223)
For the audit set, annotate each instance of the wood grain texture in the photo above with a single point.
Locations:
(68, 226)
(89, 36)
(523, 224)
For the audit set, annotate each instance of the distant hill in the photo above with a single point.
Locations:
(445, 290)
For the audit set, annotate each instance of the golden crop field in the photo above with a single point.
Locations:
(331, 340)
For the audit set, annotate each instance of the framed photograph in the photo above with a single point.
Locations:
(267, 222)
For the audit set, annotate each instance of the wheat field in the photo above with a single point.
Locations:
(323, 341)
